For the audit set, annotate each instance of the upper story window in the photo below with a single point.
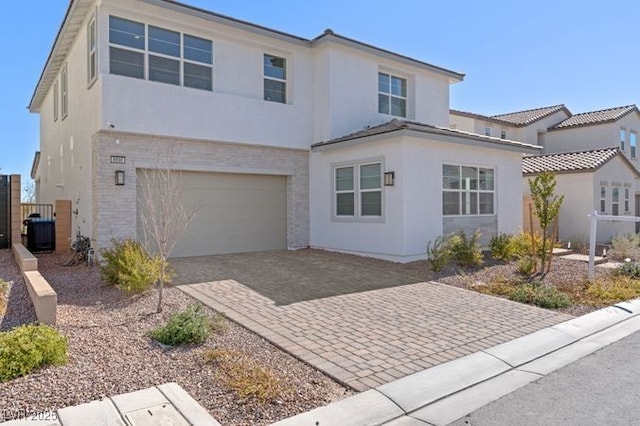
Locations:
(170, 57)
(603, 199)
(92, 58)
(627, 202)
(503, 134)
(632, 144)
(488, 130)
(275, 78)
(623, 138)
(392, 95)
(467, 190)
(55, 100)
(358, 185)
(64, 88)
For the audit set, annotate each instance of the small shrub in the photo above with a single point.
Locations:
(630, 269)
(189, 326)
(128, 266)
(539, 295)
(439, 254)
(502, 247)
(623, 247)
(606, 291)
(526, 266)
(25, 348)
(495, 288)
(466, 251)
(246, 376)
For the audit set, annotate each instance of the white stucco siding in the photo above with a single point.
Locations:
(616, 174)
(235, 109)
(383, 238)
(65, 145)
(413, 206)
(583, 138)
(350, 77)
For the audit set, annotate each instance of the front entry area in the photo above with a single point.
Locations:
(236, 213)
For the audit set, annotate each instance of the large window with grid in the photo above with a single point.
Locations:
(392, 95)
(159, 54)
(358, 190)
(615, 201)
(467, 190)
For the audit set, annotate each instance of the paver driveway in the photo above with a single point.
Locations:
(353, 318)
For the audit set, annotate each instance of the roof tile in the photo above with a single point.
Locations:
(596, 117)
(568, 161)
(523, 118)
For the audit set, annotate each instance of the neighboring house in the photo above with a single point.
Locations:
(576, 137)
(601, 180)
(132, 85)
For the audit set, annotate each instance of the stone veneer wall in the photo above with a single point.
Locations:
(114, 207)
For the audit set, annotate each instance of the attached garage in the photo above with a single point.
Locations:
(238, 213)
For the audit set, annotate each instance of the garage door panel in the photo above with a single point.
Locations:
(238, 213)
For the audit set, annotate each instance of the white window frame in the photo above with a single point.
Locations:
(615, 201)
(627, 200)
(623, 138)
(468, 191)
(603, 199)
(56, 105)
(488, 130)
(64, 91)
(181, 59)
(279, 80)
(503, 134)
(357, 191)
(92, 53)
(391, 96)
(633, 141)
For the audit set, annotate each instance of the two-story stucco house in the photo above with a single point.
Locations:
(285, 142)
(594, 155)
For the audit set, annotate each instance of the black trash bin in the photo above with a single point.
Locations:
(41, 235)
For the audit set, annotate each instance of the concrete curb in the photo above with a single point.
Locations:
(449, 391)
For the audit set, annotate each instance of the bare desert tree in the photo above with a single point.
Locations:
(163, 215)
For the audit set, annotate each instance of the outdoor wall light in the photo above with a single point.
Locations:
(389, 178)
(119, 177)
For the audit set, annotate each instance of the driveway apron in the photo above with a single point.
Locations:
(357, 321)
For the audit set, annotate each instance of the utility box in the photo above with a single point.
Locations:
(5, 212)
(41, 234)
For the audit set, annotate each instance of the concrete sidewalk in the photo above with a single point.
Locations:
(166, 404)
(447, 392)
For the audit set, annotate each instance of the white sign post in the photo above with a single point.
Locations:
(595, 217)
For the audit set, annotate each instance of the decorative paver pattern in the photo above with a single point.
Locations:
(367, 338)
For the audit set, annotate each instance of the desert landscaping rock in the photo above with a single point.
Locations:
(109, 353)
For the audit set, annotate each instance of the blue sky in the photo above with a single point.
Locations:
(516, 55)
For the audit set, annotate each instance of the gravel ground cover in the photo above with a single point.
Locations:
(109, 353)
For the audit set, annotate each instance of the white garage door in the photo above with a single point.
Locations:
(238, 213)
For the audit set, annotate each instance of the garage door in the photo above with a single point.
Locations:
(238, 213)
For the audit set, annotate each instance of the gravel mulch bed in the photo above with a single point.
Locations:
(110, 355)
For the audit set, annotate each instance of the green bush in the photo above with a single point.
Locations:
(624, 246)
(189, 326)
(25, 348)
(526, 266)
(503, 247)
(630, 269)
(128, 266)
(466, 251)
(539, 295)
(439, 254)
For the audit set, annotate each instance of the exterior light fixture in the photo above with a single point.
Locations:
(389, 178)
(119, 177)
